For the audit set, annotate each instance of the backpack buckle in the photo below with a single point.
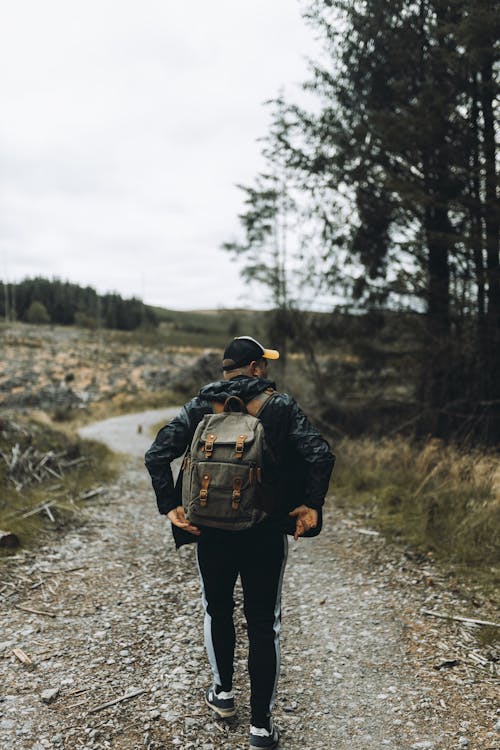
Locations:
(205, 481)
(209, 445)
(236, 497)
(240, 445)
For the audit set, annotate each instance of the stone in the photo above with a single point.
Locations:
(49, 695)
(170, 716)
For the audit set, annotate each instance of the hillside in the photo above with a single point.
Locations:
(66, 371)
(361, 379)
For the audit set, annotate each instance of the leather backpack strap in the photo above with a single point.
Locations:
(255, 406)
(235, 400)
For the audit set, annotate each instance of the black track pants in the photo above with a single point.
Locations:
(258, 555)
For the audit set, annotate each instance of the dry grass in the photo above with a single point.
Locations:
(435, 497)
(96, 467)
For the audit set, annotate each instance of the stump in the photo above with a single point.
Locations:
(8, 540)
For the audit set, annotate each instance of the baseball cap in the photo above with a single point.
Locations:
(243, 350)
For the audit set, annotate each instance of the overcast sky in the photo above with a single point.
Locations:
(125, 127)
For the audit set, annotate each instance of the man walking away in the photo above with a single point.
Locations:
(292, 481)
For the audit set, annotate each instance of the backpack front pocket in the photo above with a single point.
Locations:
(222, 493)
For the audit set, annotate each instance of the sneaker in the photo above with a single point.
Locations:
(260, 737)
(222, 703)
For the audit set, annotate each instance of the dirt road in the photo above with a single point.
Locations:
(111, 620)
(129, 434)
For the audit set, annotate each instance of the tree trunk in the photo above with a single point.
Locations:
(476, 208)
(491, 207)
(438, 359)
(492, 328)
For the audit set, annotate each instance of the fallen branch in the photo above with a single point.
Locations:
(56, 474)
(366, 532)
(478, 659)
(31, 465)
(126, 697)
(75, 705)
(35, 611)
(470, 620)
(21, 655)
(49, 513)
(75, 462)
(38, 509)
(91, 493)
(78, 691)
(60, 572)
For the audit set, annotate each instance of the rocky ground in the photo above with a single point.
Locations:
(101, 640)
(67, 368)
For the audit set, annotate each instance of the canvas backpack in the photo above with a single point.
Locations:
(224, 484)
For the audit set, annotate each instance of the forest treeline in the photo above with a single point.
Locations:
(40, 300)
(383, 194)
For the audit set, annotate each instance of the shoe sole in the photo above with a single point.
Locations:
(224, 713)
(266, 747)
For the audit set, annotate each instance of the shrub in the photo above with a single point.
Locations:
(37, 313)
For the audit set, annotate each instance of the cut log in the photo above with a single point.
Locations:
(9, 540)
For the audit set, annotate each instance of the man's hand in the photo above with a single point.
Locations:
(179, 519)
(306, 518)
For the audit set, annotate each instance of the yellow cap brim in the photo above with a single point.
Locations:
(271, 354)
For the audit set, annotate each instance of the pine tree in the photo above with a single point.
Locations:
(397, 134)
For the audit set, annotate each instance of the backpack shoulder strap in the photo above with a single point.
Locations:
(255, 406)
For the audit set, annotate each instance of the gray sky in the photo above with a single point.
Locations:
(125, 127)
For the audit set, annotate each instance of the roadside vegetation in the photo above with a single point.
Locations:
(440, 501)
(46, 477)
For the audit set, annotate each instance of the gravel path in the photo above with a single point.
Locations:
(129, 434)
(116, 615)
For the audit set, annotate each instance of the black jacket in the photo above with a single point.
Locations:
(304, 461)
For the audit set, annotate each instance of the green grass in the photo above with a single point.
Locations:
(202, 329)
(97, 467)
(438, 499)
